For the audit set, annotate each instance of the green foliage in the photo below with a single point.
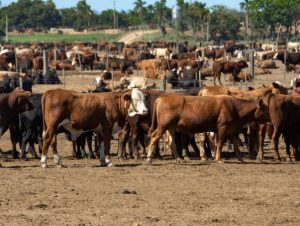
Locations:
(35, 14)
(225, 23)
(2, 33)
(265, 17)
(27, 38)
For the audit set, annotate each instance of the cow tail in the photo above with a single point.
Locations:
(43, 113)
(154, 120)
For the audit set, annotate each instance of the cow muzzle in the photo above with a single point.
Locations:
(145, 111)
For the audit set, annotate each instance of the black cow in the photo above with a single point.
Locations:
(50, 77)
(31, 126)
(24, 65)
(291, 58)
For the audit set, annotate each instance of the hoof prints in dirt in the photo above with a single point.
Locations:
(127, 192)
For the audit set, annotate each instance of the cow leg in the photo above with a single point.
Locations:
(123, 139)
(219, 78)
(155, 136)
(40, 144)
(32, 149)
(107, 133)
(81, 145)
(14, 137)
(97, 143)
(202, 154)
(194, 146)
(210, 139)
(235, 142)
(287, 141)
(47, 138)
(184, 139)
(89, 139)
(75, 152)
(173, 145)
(141, 138)
(56, 157)
(220, 138)
(25, 140)
(261, 139)
(134, 140)
(275, 137)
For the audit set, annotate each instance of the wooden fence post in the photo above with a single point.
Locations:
(45, 62)
(252, 63)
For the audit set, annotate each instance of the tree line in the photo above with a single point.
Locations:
(255, 19)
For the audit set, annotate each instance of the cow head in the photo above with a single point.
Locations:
(262, 112)
(242, 64)
(19, 101)
(137, 102)
(279, 88)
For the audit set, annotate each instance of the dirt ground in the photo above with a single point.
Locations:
(134, 193)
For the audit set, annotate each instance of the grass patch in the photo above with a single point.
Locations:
(45, 37)
(171, 36)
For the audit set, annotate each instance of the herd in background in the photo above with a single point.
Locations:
(183, 66)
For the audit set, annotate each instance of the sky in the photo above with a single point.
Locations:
(100, 5)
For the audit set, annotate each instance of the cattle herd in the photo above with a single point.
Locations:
(128, 104)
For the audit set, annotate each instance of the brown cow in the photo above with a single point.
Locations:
(224, 115)
(284, 113)
(80, 112)
(267, 64)
(145, 64)
(262, 92)
(228, 67)
(37, 63)
(11, 104)
(242, 76)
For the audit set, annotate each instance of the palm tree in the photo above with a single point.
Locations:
(245, 5)
(160, 9)
(139, 7)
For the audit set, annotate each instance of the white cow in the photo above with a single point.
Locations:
(161, 53)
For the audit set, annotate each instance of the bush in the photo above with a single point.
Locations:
(2, 33)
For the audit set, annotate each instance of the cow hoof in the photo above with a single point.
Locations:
(149, 161)
(277, 159)
(92, 157)
(103, 164)
(15, 156)
(259, 158)
(202, 159)
(61, 166)
(24, 158)
(240, 160)
(44, 165)
(292, 160)
(187, 158)
(179, 160)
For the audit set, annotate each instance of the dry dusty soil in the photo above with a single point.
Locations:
(134, 193)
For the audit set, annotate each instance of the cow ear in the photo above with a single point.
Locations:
(127, 96)
(275, 85)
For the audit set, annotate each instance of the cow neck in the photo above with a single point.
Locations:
(245, 108)
(267, 98)
(122, 105)
(9, 105)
